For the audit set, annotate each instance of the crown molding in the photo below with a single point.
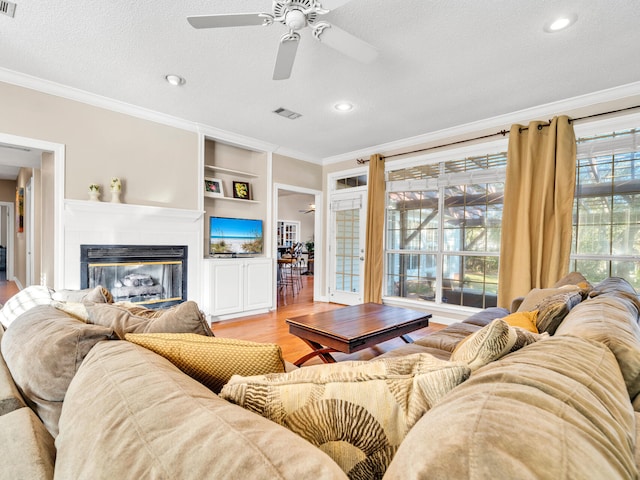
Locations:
(71, 93)
(235, 139)
(498, 122)
(298, 155)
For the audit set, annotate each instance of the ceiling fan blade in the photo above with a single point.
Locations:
(346, 43)
(226, 20)
(286, 56)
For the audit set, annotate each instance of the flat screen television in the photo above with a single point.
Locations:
(235, 236)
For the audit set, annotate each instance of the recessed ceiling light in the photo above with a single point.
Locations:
(343, 106)
(175, 80)
(560, 23)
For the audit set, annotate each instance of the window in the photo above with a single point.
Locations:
(443, 231)
(288, 233)
(354, 181)
(606, 219)
(444, 219)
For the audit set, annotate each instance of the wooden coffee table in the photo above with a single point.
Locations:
(354, 328)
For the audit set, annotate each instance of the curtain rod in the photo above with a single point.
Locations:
(504, 133)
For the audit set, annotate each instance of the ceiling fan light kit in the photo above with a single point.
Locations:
(295, 15)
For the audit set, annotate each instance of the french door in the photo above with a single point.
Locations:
(346, 249)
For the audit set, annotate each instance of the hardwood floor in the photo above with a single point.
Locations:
(7, 289)
(272, 328)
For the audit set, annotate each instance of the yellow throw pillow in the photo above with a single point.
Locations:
(356, 412)
(526, 320)
(211, 360)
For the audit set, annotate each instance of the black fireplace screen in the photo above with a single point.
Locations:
(151, 275)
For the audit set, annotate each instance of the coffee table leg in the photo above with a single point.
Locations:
(406, 338)
(318, 351)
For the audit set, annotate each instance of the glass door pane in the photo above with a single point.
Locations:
(347, 247)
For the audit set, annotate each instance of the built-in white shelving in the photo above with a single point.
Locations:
(229, 171)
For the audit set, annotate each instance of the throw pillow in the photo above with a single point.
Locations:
(486, 345)
(573, 278)
(492, 342)
(99, 294)
(210, 360)
(356, 412)
(141, 311)
(75, 309)
(536, 296)
(553, 309)
(526, 320)
(185, 317)
(43, 350)
(23, 301)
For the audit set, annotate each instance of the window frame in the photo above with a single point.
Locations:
(436, 158)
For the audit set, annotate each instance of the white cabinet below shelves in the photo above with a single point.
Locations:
(236, 287)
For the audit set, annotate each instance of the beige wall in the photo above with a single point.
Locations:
(158, 164)
(289, 171)
(289, 207)
(7, 190)
(7, 194)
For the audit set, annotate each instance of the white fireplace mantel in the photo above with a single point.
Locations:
(105, 223)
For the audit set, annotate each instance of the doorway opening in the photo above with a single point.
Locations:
(297, 242)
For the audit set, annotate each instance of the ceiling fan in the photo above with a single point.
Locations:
(295, 15)
(311, 209)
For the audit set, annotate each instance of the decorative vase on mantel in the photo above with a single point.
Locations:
(94, 192)
(116, 188)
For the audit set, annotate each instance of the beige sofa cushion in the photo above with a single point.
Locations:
(612, 321)
(185, 317)
(23, 301)
(557, 409)
(43, 349)
(27, 449)
(10, 398)
(616, 287)
(448, 338)
(356, 412)
(211, 360)
(98, 294)
(163, 424)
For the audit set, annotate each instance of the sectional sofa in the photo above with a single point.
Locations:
(82, 398)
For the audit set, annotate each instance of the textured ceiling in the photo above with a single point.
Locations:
(441, 63)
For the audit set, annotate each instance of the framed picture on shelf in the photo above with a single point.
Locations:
(213, 187)
(241, 190)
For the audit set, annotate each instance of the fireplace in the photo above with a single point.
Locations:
(151, 275)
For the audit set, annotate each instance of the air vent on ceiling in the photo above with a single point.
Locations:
(283, 112)
(8, 8)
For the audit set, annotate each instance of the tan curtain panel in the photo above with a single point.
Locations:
(375, 231)
(538, 205)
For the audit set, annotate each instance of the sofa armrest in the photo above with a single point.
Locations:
(28, 449)
(10, 398)
(515, 304)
